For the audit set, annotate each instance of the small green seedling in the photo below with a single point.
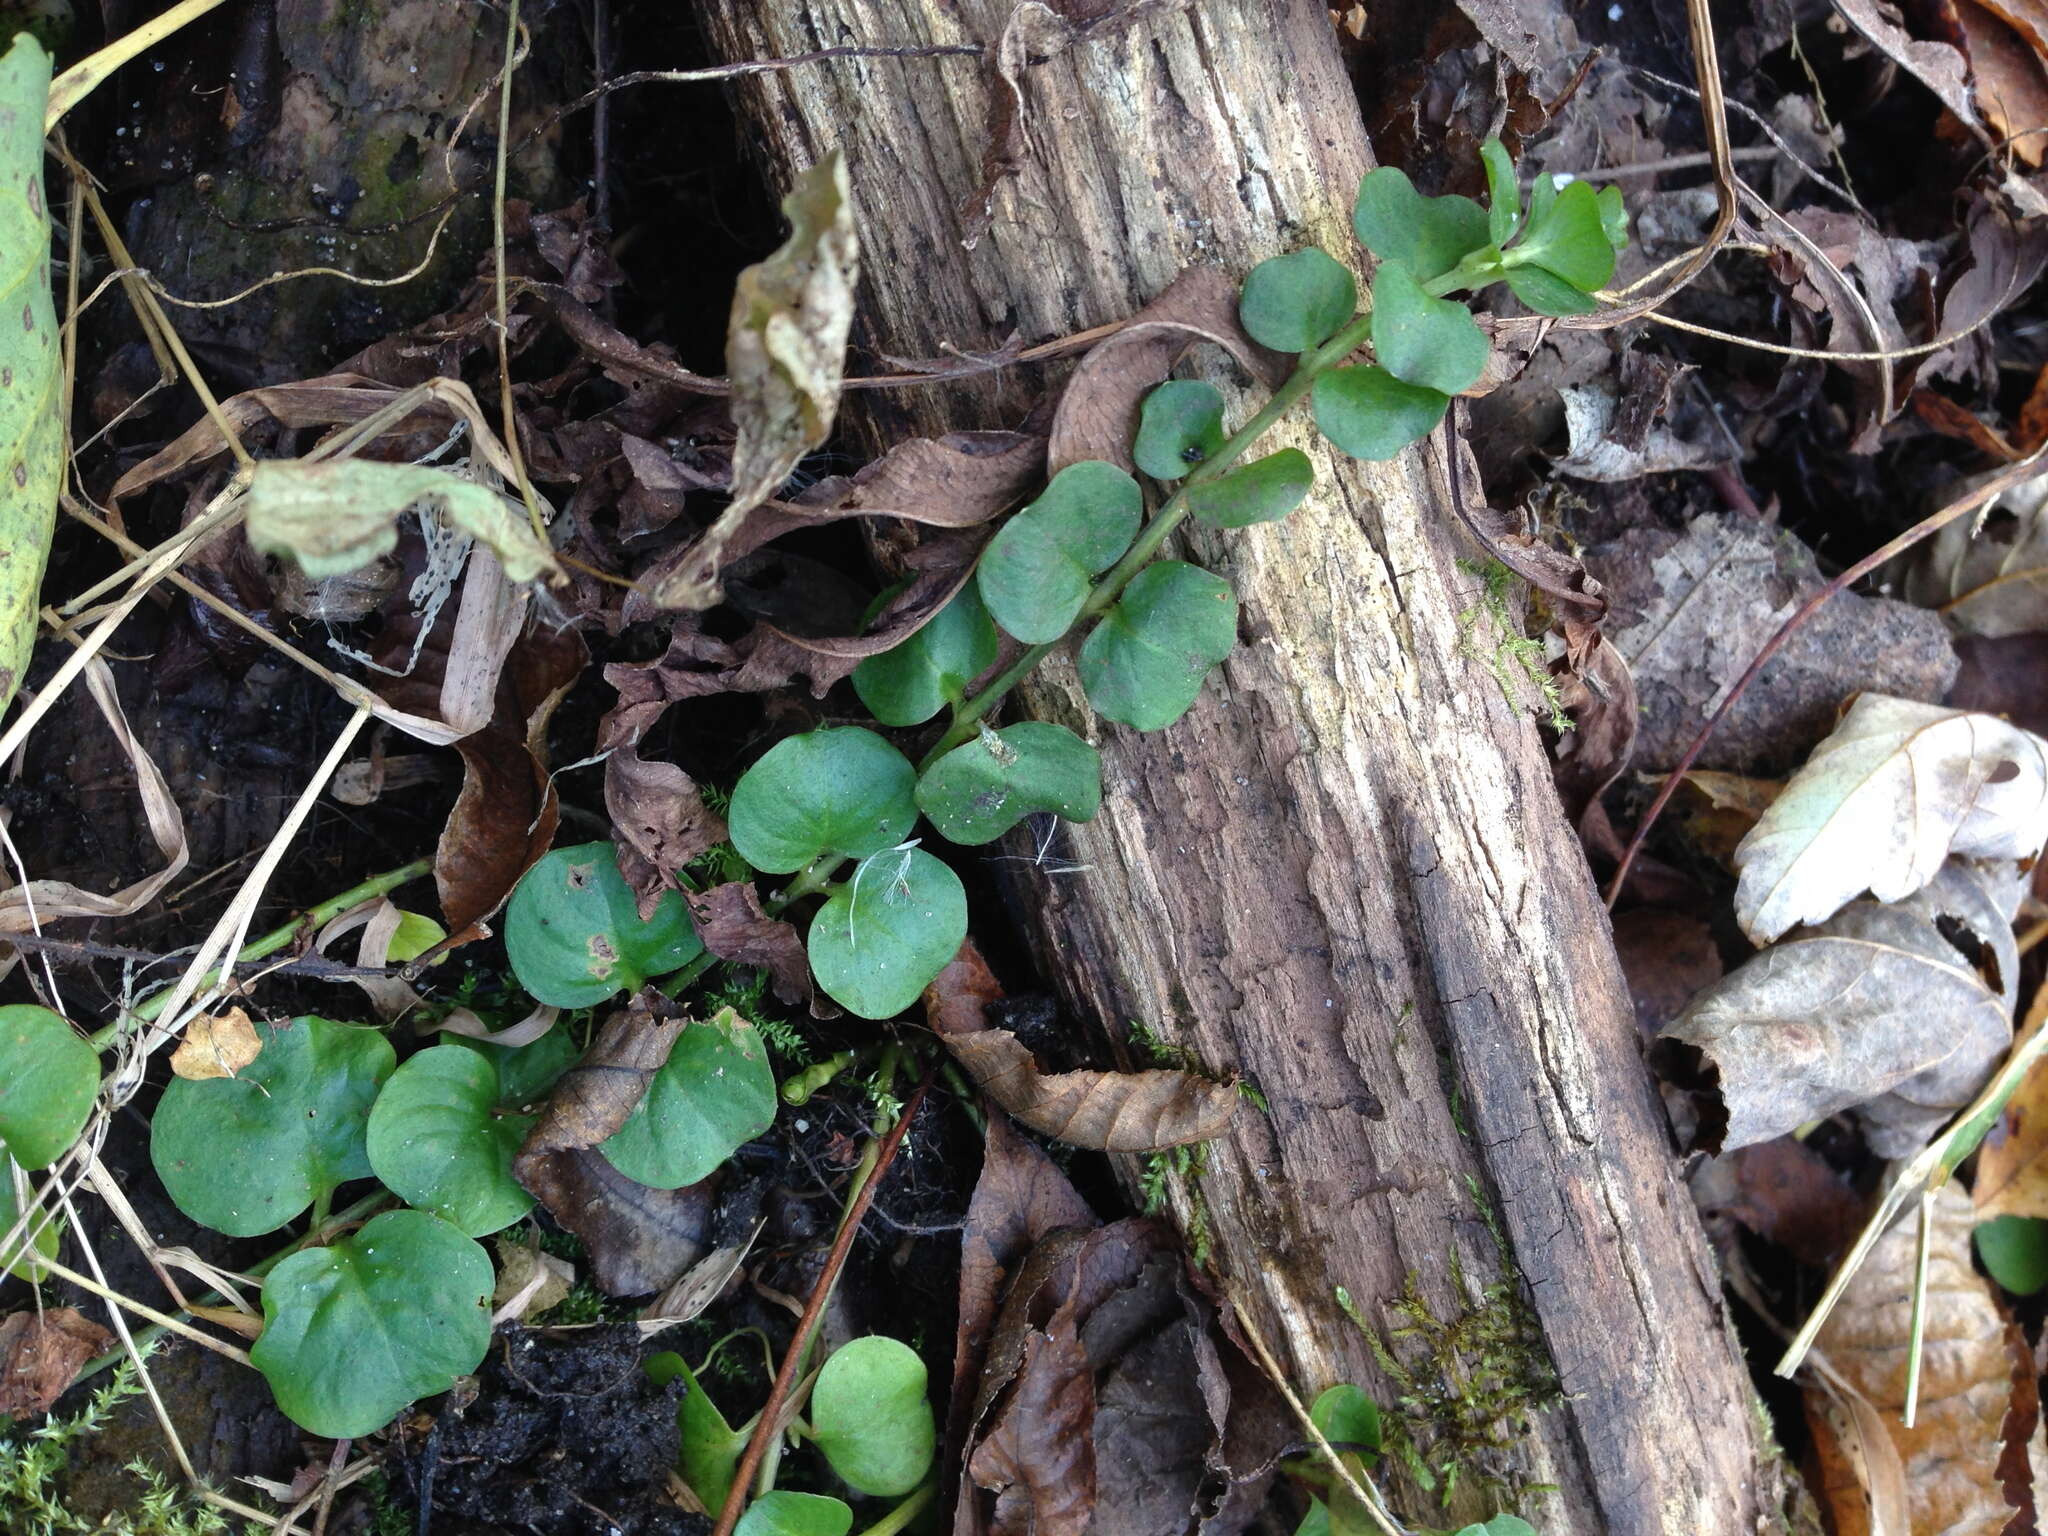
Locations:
(574, 933)
(439, 1141)
(869, 1416)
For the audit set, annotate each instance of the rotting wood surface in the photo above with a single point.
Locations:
(1345, 873)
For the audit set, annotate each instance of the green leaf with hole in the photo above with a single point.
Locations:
(15, 1259)
(1144, 663)
(355, 1331)
(1036, 572)
(783, 1513)
(1432, 343)
(871, 1418)
(979, 790)
(244, 1155)
(834, 791)
(1503, 192)
(1548, 294)
(1427, 235)
(1567, 237)
(914, 681)
(48, 1080)
(437, 1142)
(31, 362)
(713, 1094)
(1263, 491)
(574, 933)
(1179, 425)
(2015, 1252)
(1293, 302)
(710, 1448)
(884, 933)
(1370, 414)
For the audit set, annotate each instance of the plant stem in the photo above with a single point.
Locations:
(903, 1513)
(815, 877)
(967, 719)
(814, 1309)
(277, 938)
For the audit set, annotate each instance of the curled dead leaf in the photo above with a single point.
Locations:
(1097, 413)
(529, 1280)
(1988, 575)
(1101, 1110)
(1894, 790)
(733, 927)
(661, 821)
(1899, 1010)
(216, 1045)
(785, 354)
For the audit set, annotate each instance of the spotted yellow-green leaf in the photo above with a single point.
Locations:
(31, 368)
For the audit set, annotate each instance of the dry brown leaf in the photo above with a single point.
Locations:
(40, 1355)
(661, 821)
(1951, 1454)
(1667, 957)
(785, 354)
(1717, 810)
(2005, 75)
(1893, 791)
(1097, 414)
(1900, 1010)
(529, 1280)
(733, 927)
(1989, 575)
(2012, 1164)
(1103, 1111)
(594, 1097)
(216, 1045)
(1786, 1193)
(504, 819)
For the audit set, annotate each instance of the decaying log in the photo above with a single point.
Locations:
(1345, 874)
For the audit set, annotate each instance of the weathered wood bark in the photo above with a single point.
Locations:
(1345, 873)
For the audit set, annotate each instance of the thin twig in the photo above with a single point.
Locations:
(1990, 490)
(792, 1360)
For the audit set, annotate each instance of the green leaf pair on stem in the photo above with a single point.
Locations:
(868, 1415)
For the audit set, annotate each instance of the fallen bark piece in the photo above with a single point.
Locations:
(1100, 1110)
(1894, 791)
(1900, 1011)
(1951, 1453)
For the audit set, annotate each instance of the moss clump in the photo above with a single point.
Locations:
(1516, 661)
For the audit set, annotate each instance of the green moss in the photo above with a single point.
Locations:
(1515, 660)
(1467, 1386)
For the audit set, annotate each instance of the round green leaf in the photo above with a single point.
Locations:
(871, 1418)
(1370, 414)
(2015, 1252)
(1427, 235)
(1434, 343)
(1548, 294)
(1144, 663)
(525, 1072)
(48, 1079)
(16, 1260)
(783, 1513)
(436, 1143)
(915, 680)
(1347, 1416)
(1293, 302)
(710, 1448)
(1503, 192)
(1034, 576)
(355, 1331)
(1179, 425)
(244, 1155)
(574, 933)
(1567, 237)
(843, 791)
(883, 935)
(714, 1093)
(981, 789)
(1263, 491)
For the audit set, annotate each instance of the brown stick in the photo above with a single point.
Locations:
(792, 1361)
